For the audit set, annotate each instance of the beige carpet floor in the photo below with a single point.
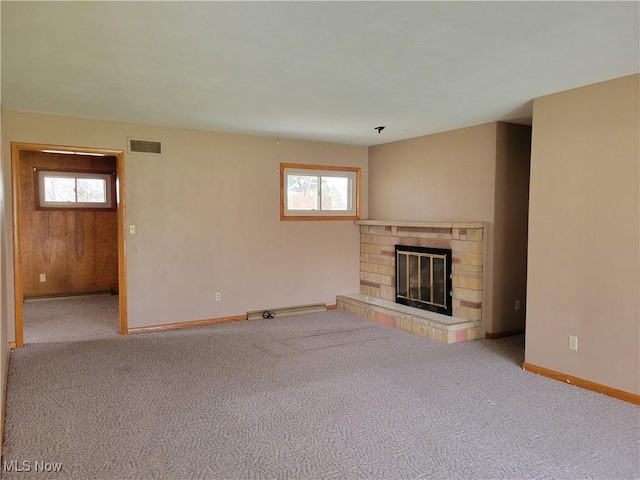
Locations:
(71, 319)
(319, 396)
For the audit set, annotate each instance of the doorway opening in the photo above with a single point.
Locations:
(90, 256)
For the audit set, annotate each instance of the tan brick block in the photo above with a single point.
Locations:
(414, 326)
(471, 258)
(388, 292)
(474, 234)
(424, 230)
(403, 324)
(467, 247)
(371, 291)
(474, 333)
(476, 247)
(378, 239)
(459, 268)
(471, 313)
(377, 259)
(441, 336)
(419, 235)
(467, 295)
(378, 278)
(425, 242)
(459, 246)
(445, 236)
(455, 307)
(373, 268)
(466, 273)
(374, 249)
(455, 233)
(467, 282)
(375, 229)
(360, 312)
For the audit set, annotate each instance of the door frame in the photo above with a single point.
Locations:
(16, 148)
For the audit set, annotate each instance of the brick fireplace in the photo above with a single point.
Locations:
(376, 299)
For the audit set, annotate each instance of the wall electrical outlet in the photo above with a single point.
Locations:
(517, 305)
(218, 296)
(573, 343)
(43, 277)
(132, 229)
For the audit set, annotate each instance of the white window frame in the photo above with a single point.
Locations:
(353, 174)
(109, 178)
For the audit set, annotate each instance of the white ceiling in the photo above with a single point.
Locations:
(329, 71)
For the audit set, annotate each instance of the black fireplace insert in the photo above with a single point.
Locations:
(423, 278)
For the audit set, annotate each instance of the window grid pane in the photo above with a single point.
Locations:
(60, 189)
(91, 190)
(335, 193)
(302, 192)
(319, 192)
(75, 190)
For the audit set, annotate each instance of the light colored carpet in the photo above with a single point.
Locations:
(319, 396)
(71, 319)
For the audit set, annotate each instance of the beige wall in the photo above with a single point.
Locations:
(447, 176)
(207, 219)
(584, 256)
(513, 154)
(472, 174)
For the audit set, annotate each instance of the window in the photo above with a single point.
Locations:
(316, 192)
(93, 190)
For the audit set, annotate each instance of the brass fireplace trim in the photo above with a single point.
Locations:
(430, 256)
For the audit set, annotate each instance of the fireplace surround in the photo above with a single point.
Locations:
(378, 289)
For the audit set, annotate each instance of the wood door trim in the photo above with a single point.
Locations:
(122, 243)
(17, 251)
(16, 148)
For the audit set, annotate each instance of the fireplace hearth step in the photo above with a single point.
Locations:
(421, 322)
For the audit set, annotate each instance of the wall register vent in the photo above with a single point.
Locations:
(138, 145)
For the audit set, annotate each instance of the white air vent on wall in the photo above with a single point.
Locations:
(139, 145)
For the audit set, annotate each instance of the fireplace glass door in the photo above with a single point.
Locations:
(423, 278)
